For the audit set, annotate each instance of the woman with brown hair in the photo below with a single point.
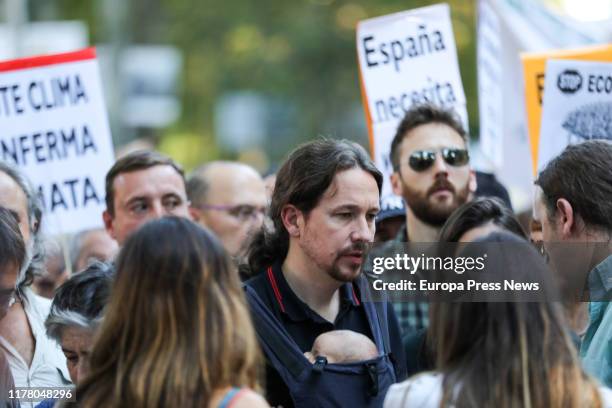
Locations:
(502, 354)
(177, 332)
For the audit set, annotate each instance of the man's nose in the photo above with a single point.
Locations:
(440, 166)
(158, 210)
(363, 231)
(82, 370)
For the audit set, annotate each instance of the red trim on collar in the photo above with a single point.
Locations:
(277, 294)
(355, 295)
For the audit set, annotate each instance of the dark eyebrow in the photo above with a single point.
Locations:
(350, 207)
(6, 291)
(68, 351)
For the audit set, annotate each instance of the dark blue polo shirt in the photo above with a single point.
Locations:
(304, 325)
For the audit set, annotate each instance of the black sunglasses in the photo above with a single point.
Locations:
(421, 160)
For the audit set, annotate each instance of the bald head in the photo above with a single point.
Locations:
(228, 198)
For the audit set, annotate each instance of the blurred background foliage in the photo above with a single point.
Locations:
(300, 53)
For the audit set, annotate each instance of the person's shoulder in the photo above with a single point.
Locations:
(248, 398)
(49, 403)
(237, 398)
(38, 304)
(423, 390)
(606, 397)
(255, 280)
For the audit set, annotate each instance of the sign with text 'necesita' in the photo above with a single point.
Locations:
(54, 128)
(405, 59)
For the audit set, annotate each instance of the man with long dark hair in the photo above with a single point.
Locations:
(323, 211)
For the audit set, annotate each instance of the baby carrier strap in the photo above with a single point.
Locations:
(273, 337)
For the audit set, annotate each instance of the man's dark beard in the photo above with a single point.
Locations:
(358, 246)
(425, 211)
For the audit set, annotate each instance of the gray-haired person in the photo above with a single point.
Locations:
(35, 360)
(76, 311)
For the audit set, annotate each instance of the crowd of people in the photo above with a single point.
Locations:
(215, 289)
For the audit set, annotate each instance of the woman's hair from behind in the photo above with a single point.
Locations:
(509, 354)
(476, 213)
(177, 328)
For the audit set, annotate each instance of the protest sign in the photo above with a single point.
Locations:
(534, 65)
(55, 129)
(405, 59)
(490, 91)
(577, 105)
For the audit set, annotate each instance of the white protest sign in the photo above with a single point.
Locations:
(490, 82)
(53, 126)
(406, 58)
(577, 105)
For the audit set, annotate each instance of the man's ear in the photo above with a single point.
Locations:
(472, 183)
(292, 220)
(566, 219)
(196, 215)
(108, 224)
(396, 183)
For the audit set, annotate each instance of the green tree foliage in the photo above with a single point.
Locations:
(301, 51)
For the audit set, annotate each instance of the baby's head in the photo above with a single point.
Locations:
(342, 346)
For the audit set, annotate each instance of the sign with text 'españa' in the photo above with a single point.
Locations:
(53, 126)
(534, 66)
(577, 105)
(405, 59)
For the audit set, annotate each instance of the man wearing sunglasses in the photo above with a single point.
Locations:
(432, 173)
(230, 199)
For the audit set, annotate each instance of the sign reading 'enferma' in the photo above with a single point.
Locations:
(54, 128)
(406, 59)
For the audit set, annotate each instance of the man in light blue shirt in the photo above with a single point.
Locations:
(574, 205)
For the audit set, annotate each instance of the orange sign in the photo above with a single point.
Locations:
(534, 65)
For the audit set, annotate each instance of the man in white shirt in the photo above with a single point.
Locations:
(34, 359)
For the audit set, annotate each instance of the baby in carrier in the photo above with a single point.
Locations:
(342, 346)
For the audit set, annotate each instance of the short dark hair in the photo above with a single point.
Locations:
(423, 114)
(12, 247)
(581, 174)
(81, 300)
(302, 180)
(138, 160)
(476, 213)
